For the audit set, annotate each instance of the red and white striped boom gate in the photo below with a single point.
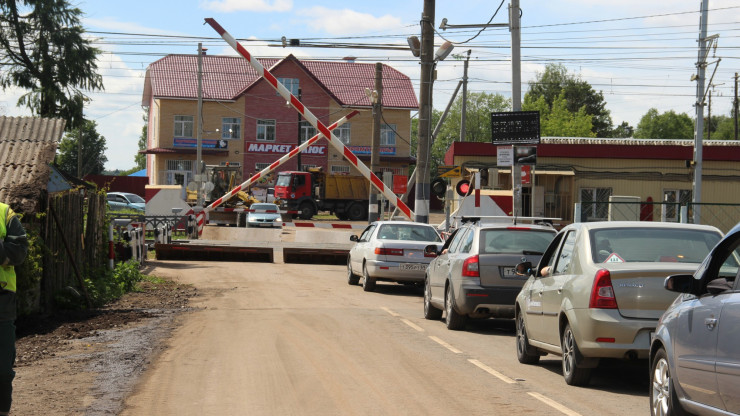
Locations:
(306, 113)
(201, 219)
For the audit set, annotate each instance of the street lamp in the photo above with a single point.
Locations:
(428, 63)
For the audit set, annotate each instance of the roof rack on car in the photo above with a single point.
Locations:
(514, 220)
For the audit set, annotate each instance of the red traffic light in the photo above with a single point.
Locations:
(463, 187)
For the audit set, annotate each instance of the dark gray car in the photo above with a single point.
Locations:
(695, 353)
(474, 274)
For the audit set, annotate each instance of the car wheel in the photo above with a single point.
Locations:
(454, 320)
(574, 375)
(430, 311)
(368, 283)
(524, 352)
(352, 278)
(663, 400)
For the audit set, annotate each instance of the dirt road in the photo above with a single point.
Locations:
(282, 339)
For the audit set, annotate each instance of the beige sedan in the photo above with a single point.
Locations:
(598, 291)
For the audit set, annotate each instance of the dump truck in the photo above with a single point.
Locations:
(314, 190)
(220, 180)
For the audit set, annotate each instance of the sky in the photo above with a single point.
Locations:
(640, 54)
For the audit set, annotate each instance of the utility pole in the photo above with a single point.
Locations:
(300, 131)
(734, 106)
(516, 100)
(421, 206)
(701, 65)
(79, 153)
(373, 212)
(463, 116)
(199, 140)
(709, 116)
(516, 56)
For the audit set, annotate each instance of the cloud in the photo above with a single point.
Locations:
(346, 21)
(111, 24)
(247, 5)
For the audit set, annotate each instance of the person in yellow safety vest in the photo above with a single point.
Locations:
(13, 250)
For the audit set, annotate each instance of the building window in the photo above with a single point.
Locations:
(395, 171)
(186, 165)
(305, 167)
(183, 126)
(231, 128)
(339, 170)
(179, 172)
(291, 84)
(266, 130)
(343, 133)
(307, 131)
(259, 167)
(673, 199)
(387, 134)
(595, 204)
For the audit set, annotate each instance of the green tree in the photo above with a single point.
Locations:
(479, 107)
(578, 94)
(93, 151)
(43, 51)
(140, 158)
(557, 120)
(666, 126)
(623, 131)
(722, 128)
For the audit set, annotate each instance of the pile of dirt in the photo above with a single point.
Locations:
(86, 362)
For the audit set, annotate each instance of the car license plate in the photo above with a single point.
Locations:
(509, 273)
(413, 266)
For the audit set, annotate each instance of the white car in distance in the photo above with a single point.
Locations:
(391, 251)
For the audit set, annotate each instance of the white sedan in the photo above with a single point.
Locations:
(264, 215)
(391, 251)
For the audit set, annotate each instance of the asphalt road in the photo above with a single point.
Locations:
(289, 339)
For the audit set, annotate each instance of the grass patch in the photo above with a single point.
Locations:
(325, 217)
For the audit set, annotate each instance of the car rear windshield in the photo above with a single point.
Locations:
(267, 207)
(408, 232)
(515, 240)
(653, 245)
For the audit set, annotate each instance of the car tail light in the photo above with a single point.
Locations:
(602, 293)
(382, 251)
(471, 267)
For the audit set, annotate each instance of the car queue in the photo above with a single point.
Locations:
(588, 292)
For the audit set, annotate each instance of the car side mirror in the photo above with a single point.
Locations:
(354, 238)
(524, 269)
(431, 250)
(681, 283)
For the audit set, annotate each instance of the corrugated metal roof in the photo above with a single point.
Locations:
(27, 146)
(225, 77)
(636, 142)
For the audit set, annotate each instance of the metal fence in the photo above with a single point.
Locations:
(177, 226)
(722, 216)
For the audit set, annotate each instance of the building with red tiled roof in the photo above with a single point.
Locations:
(246, 123)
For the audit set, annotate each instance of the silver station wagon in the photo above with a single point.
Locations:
(598, 291)
(391, 251)
(474, 275)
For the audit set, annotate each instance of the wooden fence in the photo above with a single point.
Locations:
(73, 233)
